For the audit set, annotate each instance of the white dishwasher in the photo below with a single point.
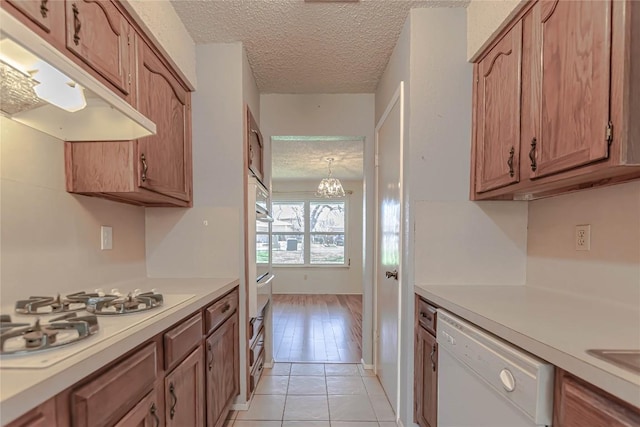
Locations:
(484, 381)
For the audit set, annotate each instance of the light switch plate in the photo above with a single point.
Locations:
(106, 238)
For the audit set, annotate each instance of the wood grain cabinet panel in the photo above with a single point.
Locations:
(575, 46)
(498, 113)
(425, 370)
(578, 88)
(180, 340)
(223, 371)
(164, 158)
(184, 393)
(145, 414)
(41, 416)
(98, 34)
(579, 404)
(219, 311)
(44, 17)
(108, 397)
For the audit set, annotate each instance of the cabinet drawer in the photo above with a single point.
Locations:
(179, 341)
(426, 316)
(109, 396)
(256, 372)
(221, 310)
(256, 347)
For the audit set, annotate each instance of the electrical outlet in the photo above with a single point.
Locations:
(106, 238)
(583, 237)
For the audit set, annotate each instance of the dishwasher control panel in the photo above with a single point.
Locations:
(523, 379)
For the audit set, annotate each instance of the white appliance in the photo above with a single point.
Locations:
(484, 381)
(259, 222)
(44, 89)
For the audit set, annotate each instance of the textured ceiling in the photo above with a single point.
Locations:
(294, 159)
(306, 47)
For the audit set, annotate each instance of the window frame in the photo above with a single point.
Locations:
(307, 234)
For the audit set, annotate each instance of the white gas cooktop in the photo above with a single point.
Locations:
(109, 326)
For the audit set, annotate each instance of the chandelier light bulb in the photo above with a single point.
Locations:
(330, 187)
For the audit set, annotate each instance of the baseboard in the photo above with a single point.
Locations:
(365, 366)
(268, 365)
(240, 406)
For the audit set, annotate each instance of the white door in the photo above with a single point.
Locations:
(389, 133)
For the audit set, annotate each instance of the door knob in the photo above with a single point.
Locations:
(391, 274)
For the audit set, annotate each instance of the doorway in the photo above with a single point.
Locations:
(317, 250)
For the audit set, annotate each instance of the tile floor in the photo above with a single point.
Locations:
(316, 395)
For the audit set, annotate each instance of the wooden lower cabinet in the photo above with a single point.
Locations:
(579, 404)
(184, 393)
(222, 371)
(145, 414)
(40, 416)
(426, 379)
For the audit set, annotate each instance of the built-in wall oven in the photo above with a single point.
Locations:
(259, 222)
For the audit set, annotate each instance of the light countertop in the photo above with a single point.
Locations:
(557, 327)
(17, 385)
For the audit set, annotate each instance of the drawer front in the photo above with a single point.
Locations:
(221, 310)
(426, 316)
(179, 341)
(256, 372)
(108, 397)
(256, 347)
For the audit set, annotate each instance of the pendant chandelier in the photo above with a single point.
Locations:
(330, 187)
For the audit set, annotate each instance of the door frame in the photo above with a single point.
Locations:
(398, 96)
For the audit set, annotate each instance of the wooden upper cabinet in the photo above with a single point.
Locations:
(98, 34)
(165, 158)
(575, 44)
(44, 17)
(498, 113)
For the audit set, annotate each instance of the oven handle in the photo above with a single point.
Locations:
(262, 283)
(263, 217)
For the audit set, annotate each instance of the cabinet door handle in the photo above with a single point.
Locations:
(154, 414)
(226, 308)
(512, 152)
(425, 316)
(532, 154)
(174, 400)
(43, 8)
(210, 350)
(145, 167)
(433, 363)
(76, 24)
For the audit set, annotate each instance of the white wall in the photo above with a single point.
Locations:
(611, 269)
(447, 239)
(161, 22)
(51, 239)
(208, 239)
(333, 114)
(325, 280)
(486, 18)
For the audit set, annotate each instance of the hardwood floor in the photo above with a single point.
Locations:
(317, 328)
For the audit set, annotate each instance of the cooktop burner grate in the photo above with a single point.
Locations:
(117, 304)
(21, 338)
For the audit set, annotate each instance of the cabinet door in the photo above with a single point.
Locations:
(574, 84)
(222, 370)
(41, 12)
(99, 35)
(183, 393)
(426, 379)
(43, 415)
(578, 404)
(498, 110)
(165, 158)
(145, 414)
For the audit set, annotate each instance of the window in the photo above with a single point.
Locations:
(309, 232)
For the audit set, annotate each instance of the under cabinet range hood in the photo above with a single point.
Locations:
(45, 90)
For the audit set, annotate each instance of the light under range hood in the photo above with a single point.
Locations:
(32, 70)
